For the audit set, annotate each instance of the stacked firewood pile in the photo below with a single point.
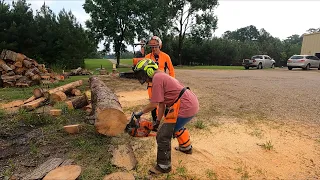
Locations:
(18, 70)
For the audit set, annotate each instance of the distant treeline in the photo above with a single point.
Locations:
(56, 40)
(232, 47)
(59, 40)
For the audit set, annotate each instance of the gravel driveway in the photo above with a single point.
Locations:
(277, 94)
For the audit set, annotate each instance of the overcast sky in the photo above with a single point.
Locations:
(281, 18)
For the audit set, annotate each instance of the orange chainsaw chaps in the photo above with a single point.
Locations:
(173, 113)
(183, 137)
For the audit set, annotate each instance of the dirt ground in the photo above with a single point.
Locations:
(253, 124)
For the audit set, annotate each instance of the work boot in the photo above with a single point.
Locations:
(189, 151)
(158, 170)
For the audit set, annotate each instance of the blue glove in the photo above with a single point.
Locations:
(138, 115)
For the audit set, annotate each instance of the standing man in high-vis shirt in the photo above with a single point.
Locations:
(162, 60)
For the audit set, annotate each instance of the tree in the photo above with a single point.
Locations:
(248, 33)
(113, 20)
(197, 16)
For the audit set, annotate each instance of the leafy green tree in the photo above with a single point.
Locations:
(113, 20)
(196, 16)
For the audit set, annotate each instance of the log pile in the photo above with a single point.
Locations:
(17, 70)
(40, 97)
(79, 72)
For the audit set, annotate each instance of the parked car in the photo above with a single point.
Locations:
(259, 61)
(303, 61)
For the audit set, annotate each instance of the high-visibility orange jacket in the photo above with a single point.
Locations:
(164, 62)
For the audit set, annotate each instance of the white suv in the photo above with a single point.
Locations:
(303, 61)
(259, 61)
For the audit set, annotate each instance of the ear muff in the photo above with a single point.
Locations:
(150, 72)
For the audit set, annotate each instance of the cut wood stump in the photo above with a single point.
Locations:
(55, 112)
(44, 168)
(76, 92)
(38, 92)
(110, 119)
(72, 129)
(58, 97)
(70, 172)
(78, 102)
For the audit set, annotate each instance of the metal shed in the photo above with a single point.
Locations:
(311, 44)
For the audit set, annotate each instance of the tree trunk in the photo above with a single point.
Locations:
(78, 103)
(63, 88)
(109, 117)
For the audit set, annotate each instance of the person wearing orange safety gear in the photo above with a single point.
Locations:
(178, 104)
(162, 60)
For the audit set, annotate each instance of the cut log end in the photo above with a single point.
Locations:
(58, 97)
(64, 173)
(110, 122)
(55, 112)
(72, 129)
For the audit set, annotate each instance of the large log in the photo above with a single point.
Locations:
(63, 88)
(109, 117)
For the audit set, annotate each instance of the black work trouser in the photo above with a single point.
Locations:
(164, 135)
(154, 115)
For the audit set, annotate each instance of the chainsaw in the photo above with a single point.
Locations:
(139, 127)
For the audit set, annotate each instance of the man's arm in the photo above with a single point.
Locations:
(149, 107)
(170, 67)
(160, 111)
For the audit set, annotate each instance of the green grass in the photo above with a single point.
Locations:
(94, 64)
(212, 67)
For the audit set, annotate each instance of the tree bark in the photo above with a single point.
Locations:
(109, 117)
(78, 103)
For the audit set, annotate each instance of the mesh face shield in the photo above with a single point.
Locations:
(141, 76)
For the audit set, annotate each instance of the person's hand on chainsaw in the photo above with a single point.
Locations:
(137, 115)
